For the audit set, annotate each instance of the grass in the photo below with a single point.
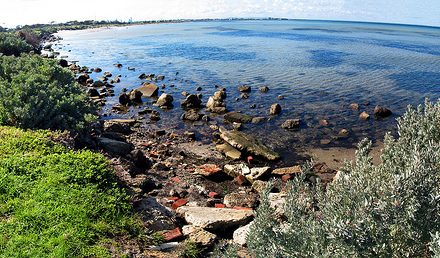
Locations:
(56, 202)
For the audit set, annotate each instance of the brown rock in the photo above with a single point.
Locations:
(149, 90)
(287, 170)
(382, 111)
(354, 106)
(275, 109)
(364, 116)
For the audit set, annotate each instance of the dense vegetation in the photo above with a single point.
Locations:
(388, 210)
(11, 44)
(55, 202)
(38, 93)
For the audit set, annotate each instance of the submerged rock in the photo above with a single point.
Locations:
(245, 142)
(237, 117)
(291, 124)
(192, 115)
(382, 112)
(364, 116)
(244, 88)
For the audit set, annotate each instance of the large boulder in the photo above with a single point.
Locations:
(215, 218)
(245, 142)
(149, 90)
(115, 147)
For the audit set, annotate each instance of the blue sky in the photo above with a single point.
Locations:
(20, 12)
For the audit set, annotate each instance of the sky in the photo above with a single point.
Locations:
(21, 12)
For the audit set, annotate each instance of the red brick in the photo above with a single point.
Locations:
(240, 180)
(213, 194)
(176, 179)
(219, 205)
(286, 178)
(242, 208)
(179, 203)
(172, 234)
(208, 169)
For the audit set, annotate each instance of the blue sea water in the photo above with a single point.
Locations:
(320, 67)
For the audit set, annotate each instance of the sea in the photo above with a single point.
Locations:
(319, 67)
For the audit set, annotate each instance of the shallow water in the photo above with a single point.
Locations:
(319, 67)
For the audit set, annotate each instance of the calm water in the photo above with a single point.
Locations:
(320, 68)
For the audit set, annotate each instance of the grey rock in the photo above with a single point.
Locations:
(291, 124)
(115, 147)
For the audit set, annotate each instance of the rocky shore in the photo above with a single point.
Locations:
(184, 188)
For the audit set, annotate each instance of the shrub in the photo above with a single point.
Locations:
(12, 45)
(55, 202)
(388, 210)
(30, 37)
(37, 93)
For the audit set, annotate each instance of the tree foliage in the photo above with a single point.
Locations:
(386, 210)
(37, 93)
(10, 44)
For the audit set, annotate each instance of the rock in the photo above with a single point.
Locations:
(192, 115)
(240, 199)
(240, 235)
(190, 135)
(214, 218)
(343, 133)
(216, 102)
(97, 70)
(382, 112)
(244, 96)
(364, 116)
(98, 84)
(155, 116)
(135, 96)
(117, 126)
(245, 142)
(160, 77)
(237, 117)
(207, 170)
(277, 202)
(199, 89)
(63, 63)
(287, 170)
(323, 122)
(354, 106)
(149, 90)
(118, 65)
(257, 120)
(264, 89)
(93, 92)
(251, 174)
(192, 101)
(82, 79)
(199, 235)
(229, 151)
(115, 147)
(275, 109)
(244, 88)
(107, 74)
(124, 99)
(280, 97)
(165, 100)
(291, 124)
(259, 185)
(165, 246)
(116, 79)
(140, 160)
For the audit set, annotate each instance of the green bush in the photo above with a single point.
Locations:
(55, 202)
(388, 210)
(37, 93)
(10, 44)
